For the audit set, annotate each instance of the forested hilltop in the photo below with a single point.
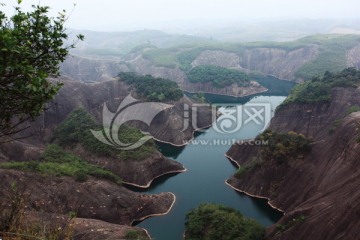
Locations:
(295, 60)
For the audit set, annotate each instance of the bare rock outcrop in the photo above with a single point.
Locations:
(218, 58)
(353, 57)
(87, 69)
(276, 61)
(319, 193)
(93, 199)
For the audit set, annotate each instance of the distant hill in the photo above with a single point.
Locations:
(116, 44)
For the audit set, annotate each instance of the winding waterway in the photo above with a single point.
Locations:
(207, 170)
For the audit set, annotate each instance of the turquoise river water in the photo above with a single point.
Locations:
(208, 168)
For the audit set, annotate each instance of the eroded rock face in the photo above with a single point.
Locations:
(93, 199)
(91, 70)
(167, 127)
(323, 186)
(353, 57)
(278, 62)
(91, 229)
(101, 70)
(218, 58)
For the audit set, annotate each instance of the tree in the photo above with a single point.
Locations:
(31, 48)
(217, 222)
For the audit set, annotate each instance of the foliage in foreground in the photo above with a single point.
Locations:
(216, 222)
(31, 48)
(57, 162)
(219, 77)
(319, 89)
(76, 130)
(151, 88)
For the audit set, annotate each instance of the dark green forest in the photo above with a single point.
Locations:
(152, 89)
(217, 222)
(319, 88)
(219, 77)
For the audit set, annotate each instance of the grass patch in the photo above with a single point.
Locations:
(291, 223)
(57, 162)
(161, 57)
(254, 162)
(134, 235)
(352, 109)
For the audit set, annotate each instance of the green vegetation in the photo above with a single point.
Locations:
(319, 89)
(338, 121)
(291, 223)
(76, 130)
(161, 57)
(31, 48)
(283, 147)
(152, 89)
(255, 162)
(134, 235)
(57, 162)
(218, 76)
(216, 222)
(335, 124)
(332, 54)
(353, 109)
(185, 58)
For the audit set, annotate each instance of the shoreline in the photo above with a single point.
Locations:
(232, 160)
(249, 194)
(149, 183)
(255, 196)
(156, 214)
(147, 233)
(227, 95)
(185, 142)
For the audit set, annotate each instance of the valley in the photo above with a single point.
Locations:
(138, 141)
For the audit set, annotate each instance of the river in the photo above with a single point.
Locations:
(208, 168)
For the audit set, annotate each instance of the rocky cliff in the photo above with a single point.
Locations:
(96, 203)
(284, 60)
(319, 192)
(90, 69)
(99, 202)
(353, 57)
(167, 126)
(272, 61)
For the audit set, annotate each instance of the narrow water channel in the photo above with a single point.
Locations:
(207, 170)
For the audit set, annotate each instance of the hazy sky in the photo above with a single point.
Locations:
(154, 14)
